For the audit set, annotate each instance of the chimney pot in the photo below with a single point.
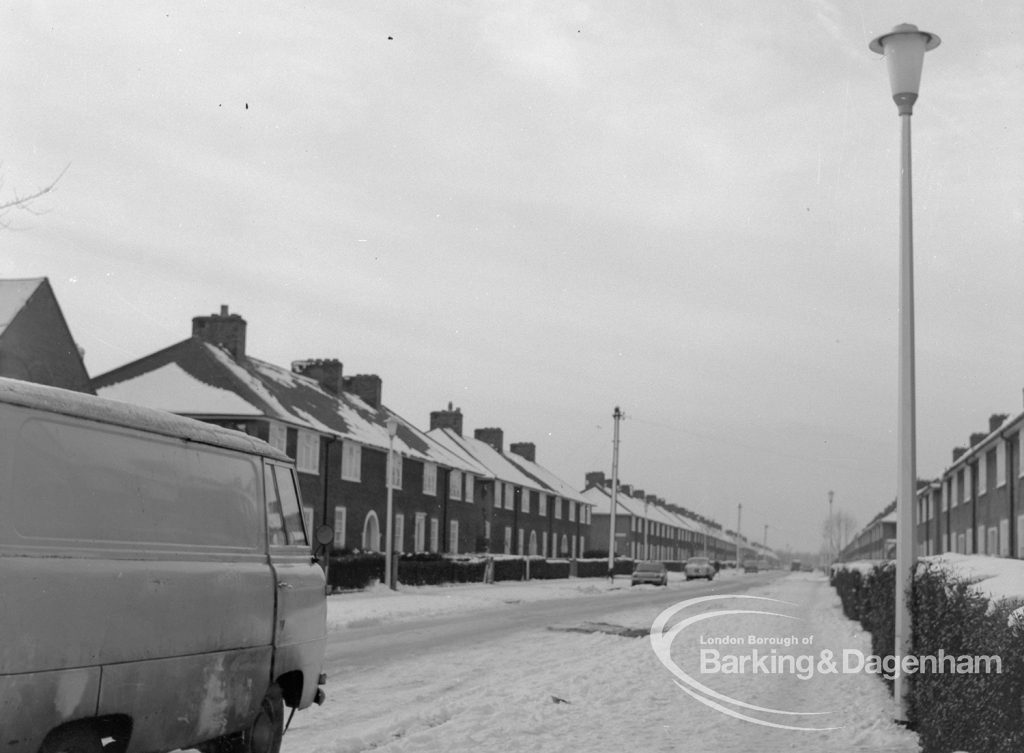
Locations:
(326, 371)
(224, 329)
(447, 419)
(526, 450)
(492, 436)
(367, 387)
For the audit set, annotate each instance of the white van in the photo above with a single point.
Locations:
(157, 589)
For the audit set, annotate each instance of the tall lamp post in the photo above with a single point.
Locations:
(904, 49)
(389, 545)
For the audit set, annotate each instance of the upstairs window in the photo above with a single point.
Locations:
(351, 461)
(278, 436)
(455, 484)
(430, 479)
(469, 488)
(396, 470)
(307, 459)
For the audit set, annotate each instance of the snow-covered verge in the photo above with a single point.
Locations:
(542, 690)
(379, 604)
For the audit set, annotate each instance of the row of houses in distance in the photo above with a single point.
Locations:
(973, 507)
(452, 493)
(647, 527)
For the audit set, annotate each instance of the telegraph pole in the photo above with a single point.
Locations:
(617, 415)
(831, 533)
(739, 517)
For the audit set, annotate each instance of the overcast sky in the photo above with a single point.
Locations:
(539, 211)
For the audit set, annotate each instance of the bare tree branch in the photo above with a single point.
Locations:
(24, 202)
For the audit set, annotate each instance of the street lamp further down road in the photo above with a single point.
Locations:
(904, 49)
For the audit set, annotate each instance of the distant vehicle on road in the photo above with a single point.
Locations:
(653, 572)
(795, 565)
(750, 566)
(699, 567)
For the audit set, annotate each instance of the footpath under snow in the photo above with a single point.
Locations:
(542, 690)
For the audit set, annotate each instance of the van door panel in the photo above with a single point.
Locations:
(211, 694)
(88, 611)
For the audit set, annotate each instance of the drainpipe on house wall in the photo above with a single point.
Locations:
(327, 476)
(1010, 489)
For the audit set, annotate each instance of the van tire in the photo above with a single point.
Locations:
(78, 739)
(264, 733)
(267, 729)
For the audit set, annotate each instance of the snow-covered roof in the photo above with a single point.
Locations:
(202, 380)
(510, 469)
(557, 485)
(102, 410)
(14, 294)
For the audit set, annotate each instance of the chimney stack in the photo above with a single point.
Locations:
(367, 387)
(447, 419)
(325, 371)
(594, 478)
(995, 421)
(526, 450)
(224, 329)
(494, 437)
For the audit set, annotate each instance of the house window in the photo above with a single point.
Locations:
(1000, 465)
(944, 492)
(278, 436)
(542, 504)
(508, 539)
(499, 491)
(961, 544)
(510, 501)
(524, 503)
(1004, 538)
(981, 540)
(399, 533)
(572, 511)
(453, 537)
(470, 488)
(430, 479)
(396, 470)
(455, 484)
(983, 473)
(519, 542)
(420, 532)
(351, 461)
(967, 484)
(308, 456)
(564, 548)
(543, 544)
(435, 534)
(1020, 535)
(558, 508)
(340, 521)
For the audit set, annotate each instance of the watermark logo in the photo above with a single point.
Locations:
(790, 655)
(662, 637)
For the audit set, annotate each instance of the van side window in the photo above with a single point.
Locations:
(290, 505)
(275, 518)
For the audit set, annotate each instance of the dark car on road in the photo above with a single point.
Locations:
(650, 572)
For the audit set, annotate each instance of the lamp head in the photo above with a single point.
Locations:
(904, 49)
(392, 425)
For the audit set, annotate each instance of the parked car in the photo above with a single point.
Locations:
(750, 566)
(157, 579)
(794, 566)
(699, 567)
(650, 572)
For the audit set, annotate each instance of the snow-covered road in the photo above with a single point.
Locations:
(542, 690)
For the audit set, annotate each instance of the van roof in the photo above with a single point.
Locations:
(80, 405)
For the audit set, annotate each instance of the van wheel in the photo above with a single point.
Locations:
(264, 733)
(267, 729)
(73, 740)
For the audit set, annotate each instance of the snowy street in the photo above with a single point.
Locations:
(535, 689)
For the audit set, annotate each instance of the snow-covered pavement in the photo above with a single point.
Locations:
(543, 690)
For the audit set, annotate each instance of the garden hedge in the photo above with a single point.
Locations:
(983, 711)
